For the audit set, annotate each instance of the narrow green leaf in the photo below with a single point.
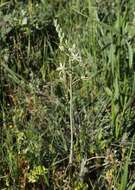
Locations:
(124, 178)
(130, 52)
(108, 91)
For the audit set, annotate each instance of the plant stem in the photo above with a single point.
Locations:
(71, 118)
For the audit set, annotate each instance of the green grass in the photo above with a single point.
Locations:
(67, 94)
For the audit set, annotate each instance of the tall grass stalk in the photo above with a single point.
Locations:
(71, 115)
(124, 176)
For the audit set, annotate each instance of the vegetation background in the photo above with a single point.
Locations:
(67, 94)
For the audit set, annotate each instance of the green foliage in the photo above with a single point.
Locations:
(67, 94)
(34, 175)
